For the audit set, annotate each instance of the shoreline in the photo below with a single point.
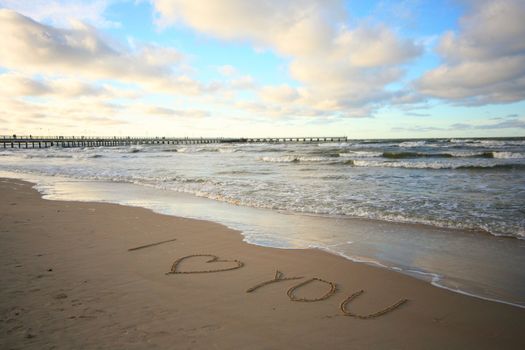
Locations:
(138, 304)
(74, 190)
(425, 226)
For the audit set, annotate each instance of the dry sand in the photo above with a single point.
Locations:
(68, 281)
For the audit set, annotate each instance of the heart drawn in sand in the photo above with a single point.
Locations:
(214, 259)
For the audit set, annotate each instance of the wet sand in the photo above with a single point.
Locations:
(69, 281)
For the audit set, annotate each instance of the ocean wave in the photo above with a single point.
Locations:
(334, 144)
(487, 143)
(47, 155)
(238, 172)
(118, 149)
(472, 154)
(375, 145)
(263, 150)
(403, 155)
(507, 166)
(361, 154)
(197, 149)
(433, 165)
(411, 144)
(189, 150)
(414, 155)
(87, 156)
(295, 159)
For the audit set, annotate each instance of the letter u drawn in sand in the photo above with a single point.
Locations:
(371, 315)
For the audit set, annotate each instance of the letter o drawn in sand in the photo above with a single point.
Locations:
(214, 259)
(372, 315)
(328, 294)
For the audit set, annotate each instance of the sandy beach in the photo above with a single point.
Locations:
(70, 281)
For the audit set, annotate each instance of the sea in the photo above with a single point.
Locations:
(450, 211)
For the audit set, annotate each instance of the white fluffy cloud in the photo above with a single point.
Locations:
(484, 62)
(35, 48)
(291, 27)
(168, 112)
(19, 85)
(340, 67)
(373, 46)
(279, 94)
(65, 104)
(49, 113)
(60, 12)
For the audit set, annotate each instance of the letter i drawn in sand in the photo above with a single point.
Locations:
(151, 244)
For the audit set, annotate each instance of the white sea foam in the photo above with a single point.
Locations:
(411, 144)
(429, 164)
(334, 144)
(293, 159)
(227, 149)
(508, 155)
(361, 154)
(461, 291)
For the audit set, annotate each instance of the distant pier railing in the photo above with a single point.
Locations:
(90, 141)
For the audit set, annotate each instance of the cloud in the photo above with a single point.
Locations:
(291, 27)
(36, 114)
(283, 111)
(12, 84)
(75, 79)
(81, 52)
(417, 128)
(484, 62)
(416, 114)
(340, 67)
(77, 115)
(375, 45)
(60, 12)
(246, 82)
(505, 117)
(279, 94)
(170, 112)
(16, 85)
(507, 124)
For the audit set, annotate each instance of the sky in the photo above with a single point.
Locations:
(242, 68)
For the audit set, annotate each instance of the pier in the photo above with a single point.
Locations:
(90, 141)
